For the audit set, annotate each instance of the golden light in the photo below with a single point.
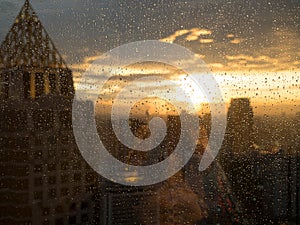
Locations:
(196, 96)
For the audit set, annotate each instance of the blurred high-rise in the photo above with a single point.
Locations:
(239, 131)
(235, 155)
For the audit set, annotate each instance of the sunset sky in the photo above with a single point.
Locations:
(252, 47)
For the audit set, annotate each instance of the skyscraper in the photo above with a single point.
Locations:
(235, 156)
(44, 179)
(239, 131)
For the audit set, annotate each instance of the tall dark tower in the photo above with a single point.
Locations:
(239, 131)
(234, 156)
(43, 179)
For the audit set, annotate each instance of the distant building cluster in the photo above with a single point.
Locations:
(266, 183)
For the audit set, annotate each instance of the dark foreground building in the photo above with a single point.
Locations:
(44, 179)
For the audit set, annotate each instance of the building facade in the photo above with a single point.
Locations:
(239, 131)
(44, 179)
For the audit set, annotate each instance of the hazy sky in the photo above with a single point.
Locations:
(253, 47)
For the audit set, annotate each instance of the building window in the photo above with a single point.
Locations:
(5, 85)
(84, 205)
(38, 168)
(38, 182)
(77, 190)
(38, 195)
(26, 84)
(65, 81)
(89, 188)
(73, 206)
(52, 193)
(64, 178)
(89, 177)
(76, 165)
(52, 82)
(64, 152)
(64, 166)
(59, 221)
(65, 191)
(59, 209)
(13, 120)
(38, 154)
(64, 139)
(72, 220)
(39, 84)
(84, 217)
(23, 142)
(77, 177)
(51, 153)
(52, 180)
(65, 118)
(43, 119)
(51, 167)
(52, 140)
(46, 211)
(46, 222)
(38, 141)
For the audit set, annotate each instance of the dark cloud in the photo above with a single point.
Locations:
(85, 28)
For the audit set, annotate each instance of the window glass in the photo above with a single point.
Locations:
(149, 112)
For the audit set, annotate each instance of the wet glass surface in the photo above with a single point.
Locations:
(249, 49)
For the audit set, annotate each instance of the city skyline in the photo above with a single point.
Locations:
(47, 178)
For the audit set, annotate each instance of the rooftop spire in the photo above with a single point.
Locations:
(28, 43)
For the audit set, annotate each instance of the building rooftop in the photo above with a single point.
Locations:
(28, 44)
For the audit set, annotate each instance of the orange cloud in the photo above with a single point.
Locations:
(200, 56)
(239, 57)
(236, 40)
(230, 35)
(174, 36)
(216, 65)
(206, 41)
(193, 34)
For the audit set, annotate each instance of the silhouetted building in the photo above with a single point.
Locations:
(44, 179)
(239, 131)
(126, 205)
(235, 155)
(265, 182)
(279, 183)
